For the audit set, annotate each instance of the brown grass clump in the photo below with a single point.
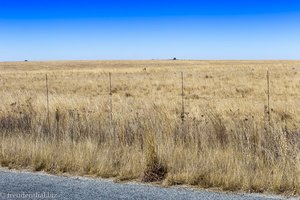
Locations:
(226, 139)
(155, 170)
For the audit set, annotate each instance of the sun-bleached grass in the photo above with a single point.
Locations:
(225, 141)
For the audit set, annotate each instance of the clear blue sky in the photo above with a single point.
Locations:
(210, 29)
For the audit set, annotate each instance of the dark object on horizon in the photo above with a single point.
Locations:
(174, 58)
(25, 60)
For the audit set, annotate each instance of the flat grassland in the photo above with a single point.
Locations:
(226, 137)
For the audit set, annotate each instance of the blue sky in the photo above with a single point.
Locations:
(79, 30)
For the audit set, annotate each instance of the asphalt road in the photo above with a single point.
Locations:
(27, 185)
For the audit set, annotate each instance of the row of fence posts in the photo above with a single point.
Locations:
(182, 114)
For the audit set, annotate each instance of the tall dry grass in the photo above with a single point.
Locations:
(226, 139)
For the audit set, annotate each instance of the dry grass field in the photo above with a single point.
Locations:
(224, 139)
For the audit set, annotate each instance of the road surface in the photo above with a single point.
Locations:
(28, 185)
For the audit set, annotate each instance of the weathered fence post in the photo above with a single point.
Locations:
(268, 96)
(48, 111)
(182, 98)
(110, 99)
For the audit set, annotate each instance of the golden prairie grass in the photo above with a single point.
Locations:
(225, 140)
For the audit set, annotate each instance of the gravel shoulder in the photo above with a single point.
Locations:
(31, 185)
